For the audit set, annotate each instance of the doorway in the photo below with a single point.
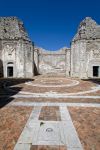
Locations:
(9, 71)
(95, 71)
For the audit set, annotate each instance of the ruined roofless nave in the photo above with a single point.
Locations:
(20, 59)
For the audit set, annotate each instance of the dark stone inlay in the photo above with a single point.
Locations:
(49, 113)
(47, 147)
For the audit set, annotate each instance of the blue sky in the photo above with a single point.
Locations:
(51, 24)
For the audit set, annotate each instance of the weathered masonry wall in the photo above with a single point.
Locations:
(16, 49)
(93, 58)
(20, 59)
(85, 50)
(53, 62)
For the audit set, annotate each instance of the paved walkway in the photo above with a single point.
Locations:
(73, 83)
(53, 95)
(28, 104)
(57, 134)
(61, 135)
(51, 133)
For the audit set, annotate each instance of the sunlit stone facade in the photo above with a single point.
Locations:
(16, 50)
(19, 58)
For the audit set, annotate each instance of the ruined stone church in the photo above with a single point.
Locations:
(20, 59)
(16, 49)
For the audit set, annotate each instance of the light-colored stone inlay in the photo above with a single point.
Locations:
(70, 134)
(51, 94)
(22, 146)
(55, 94)
(74, 83)
(48, 133)
(39, 132)
(25, 140)
(28, 104)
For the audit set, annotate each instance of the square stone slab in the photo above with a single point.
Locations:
(49, 133)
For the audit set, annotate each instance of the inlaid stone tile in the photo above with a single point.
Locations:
(47, 147)
(48, 134)
(50, 113)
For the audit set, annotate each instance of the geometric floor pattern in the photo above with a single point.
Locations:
(50, 125)
(57, 134)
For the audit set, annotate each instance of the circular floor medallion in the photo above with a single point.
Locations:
(53, 83)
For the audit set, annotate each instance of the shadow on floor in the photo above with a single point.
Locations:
(97, 81)
(5, 94)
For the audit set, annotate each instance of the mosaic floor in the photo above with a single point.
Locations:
(50, 114)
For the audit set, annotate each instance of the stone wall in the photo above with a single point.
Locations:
(16, 52)
(53, 62)
(78, 58)
(1, 63)
(15, 47)
(93, 56)
(85, 50)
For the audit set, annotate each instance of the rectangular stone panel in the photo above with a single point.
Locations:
(47, 147)
(50, 113)
(49, 134)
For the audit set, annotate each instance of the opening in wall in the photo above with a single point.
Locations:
(96, 71)
(10, 71)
